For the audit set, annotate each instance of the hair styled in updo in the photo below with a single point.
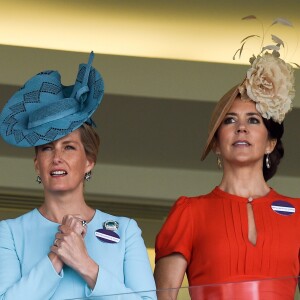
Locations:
(275, 131)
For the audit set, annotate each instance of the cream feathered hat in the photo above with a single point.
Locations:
(269, 82)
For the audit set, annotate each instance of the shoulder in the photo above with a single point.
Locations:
(274, 194)
(185, 201)
(189, 206)
(27, 218)
(12, 228)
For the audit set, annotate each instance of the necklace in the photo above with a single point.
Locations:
(250, 199)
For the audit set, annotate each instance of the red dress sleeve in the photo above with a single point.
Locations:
(299, 264)
(176, 235)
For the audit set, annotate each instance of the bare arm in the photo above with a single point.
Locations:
(169, 272)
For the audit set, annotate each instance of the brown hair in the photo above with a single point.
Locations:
(90, 140)
(275, 131)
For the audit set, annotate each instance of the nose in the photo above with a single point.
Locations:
(57, 157)
(241, 128)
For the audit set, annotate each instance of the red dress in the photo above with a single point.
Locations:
(211, 232)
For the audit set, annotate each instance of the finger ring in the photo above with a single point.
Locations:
(55, 242)
(84, 223)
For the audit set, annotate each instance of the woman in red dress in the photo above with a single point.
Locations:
(242, 240)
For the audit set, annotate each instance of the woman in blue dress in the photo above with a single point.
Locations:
(65, 249)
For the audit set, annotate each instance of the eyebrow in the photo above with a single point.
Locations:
(64, 142)
(69, 142)
(248, 114)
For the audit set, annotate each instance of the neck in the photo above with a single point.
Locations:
(55, 207)
(244, 182)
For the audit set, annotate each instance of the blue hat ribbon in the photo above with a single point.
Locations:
(66, 107)
(81, 94)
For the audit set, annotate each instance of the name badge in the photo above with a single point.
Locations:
(283, 208)
(107, 236)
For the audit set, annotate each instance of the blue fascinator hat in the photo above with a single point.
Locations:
(44, 110)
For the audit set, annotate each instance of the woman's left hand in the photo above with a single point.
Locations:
(70, 248)
(76, 222)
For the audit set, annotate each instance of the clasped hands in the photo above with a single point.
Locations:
(69, 244)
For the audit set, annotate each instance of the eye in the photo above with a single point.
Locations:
(229, 120)
(45, 148)
(69, 147)
(254, 120)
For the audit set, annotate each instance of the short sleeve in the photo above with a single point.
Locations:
(176, 235)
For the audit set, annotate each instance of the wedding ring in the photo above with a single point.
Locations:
(84, 223)
(55, 242)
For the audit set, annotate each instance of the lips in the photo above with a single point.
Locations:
(241, 143)
(58, 173)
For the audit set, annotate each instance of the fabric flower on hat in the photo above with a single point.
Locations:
(270, 80)
(270, 83)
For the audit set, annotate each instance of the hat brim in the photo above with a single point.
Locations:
(44, 99)
(219, 112)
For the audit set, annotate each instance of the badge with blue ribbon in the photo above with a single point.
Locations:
(283, 208)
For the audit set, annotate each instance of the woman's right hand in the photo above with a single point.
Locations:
(74, 222)
(69, 246)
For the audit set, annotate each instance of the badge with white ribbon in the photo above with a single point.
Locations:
(107, 236)
(283, 208)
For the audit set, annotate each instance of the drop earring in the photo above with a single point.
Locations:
(219, 161)
(268, 161)
(38, 179)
